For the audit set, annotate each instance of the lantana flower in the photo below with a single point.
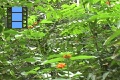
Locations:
(67, 56)
(61, 65)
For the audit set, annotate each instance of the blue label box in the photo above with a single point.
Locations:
(16, 24)
(17, 17)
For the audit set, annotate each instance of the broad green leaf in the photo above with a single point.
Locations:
(65, 6)
(94, 1)
(82, 57)
(46, 70)
(114, 35)
(50, 7)
(102, 15)
(37, 34)
(48, 14)
(37, 1)
(54, 0)
(73, 5)
(34, 34)
(63, 53)
(48, 0)
(76, 31)
(29, 60)
(53, 56)
(46, 21)
(12, 73)
(31, 19)
(40, 8)
(29, 5)
(11, 31)
(92, 17)
(37, 68)
(53, 60)
(32, 72)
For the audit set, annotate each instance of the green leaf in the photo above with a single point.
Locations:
(72, 6)
(1, 28)
(76, 31)
(94, 1)
(50, 7)
(54, 0)
(102, 15)
(37, 68)
(65, 6)
(63, 53)
(114, 35)
(105, 75)
(82, 57)
(38, 34)
(31, 19)
(11, 31)
(46, 70)
(40, 8)
(30, 59)
(32, 72)
(29, 5)
(53, 56)
(12, 73)
(53, 60)
(48, 0)
(46, 21)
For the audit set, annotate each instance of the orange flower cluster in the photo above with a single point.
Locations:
(67, 56)
(108, 2)
(61, 65)
(30, 27)
(34, 24)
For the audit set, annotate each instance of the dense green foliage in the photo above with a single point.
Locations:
(88, 31)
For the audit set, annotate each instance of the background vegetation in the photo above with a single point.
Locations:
(65, 40)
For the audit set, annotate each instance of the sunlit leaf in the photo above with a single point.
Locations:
(46, 21)
(82, 57)
(53, 60)
(114, 35)
(30, 60)
(11, 31)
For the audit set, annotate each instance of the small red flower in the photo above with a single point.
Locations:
(67, 56)
(61, 65)
(108, 2)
